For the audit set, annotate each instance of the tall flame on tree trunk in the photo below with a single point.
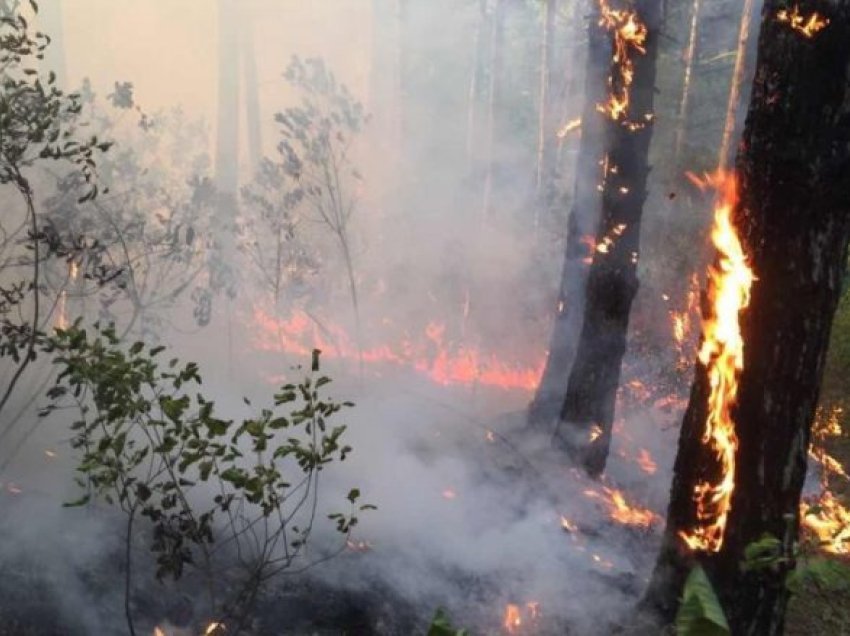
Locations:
(722, 354)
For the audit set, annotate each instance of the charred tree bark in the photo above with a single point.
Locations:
(612, 282)
(794, 221)
(581, 228)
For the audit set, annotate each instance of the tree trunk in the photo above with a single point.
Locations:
(735, 85)
(690, 57)
(227, 137)
(612, 282)
(794, 221)
(252, 95)
(581, 228)
(545, 134)
(474, 81)
(497, 37)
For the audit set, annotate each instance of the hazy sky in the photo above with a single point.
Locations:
(168, 48)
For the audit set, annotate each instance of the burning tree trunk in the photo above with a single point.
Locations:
(582, 222)
(794, 221)
(587, 415)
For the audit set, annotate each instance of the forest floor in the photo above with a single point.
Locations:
(814, 611)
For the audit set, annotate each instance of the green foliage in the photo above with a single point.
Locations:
(313, 179)
(153, 445)
(441, 625)
(700, 612)
(763, 555)
(829, 575)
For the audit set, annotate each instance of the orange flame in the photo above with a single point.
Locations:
(829, 522)
(808, 26)
(620, 510)
(431, 355)
(516, 616)
(722, 353)
(570, 126)
(629, 37)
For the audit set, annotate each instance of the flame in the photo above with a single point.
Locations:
(808, 26)
(629, 37)
(595, 432)
(431, 354)
(516, 616)
(722, 353)
(62, 315)
(682, 322)
(620, 510)
(604, 246)
(568, 525)
(213, 629)
(829, 521)
(358, 546)
(449, 493)
(570, 126)
(646, 463)
(158, 632)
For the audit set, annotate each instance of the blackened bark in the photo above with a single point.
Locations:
(581, 229)
(794, 221)
(612, 282)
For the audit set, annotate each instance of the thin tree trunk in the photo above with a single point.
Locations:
(735, 85)
(385, 102)
(581, 228)
(794, 221)
(227, 137)
(612, 281)
(545, 136)
(252, 94)
(690, 56)
(497, 33)
(474, 79)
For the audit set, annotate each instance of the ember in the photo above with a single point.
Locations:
(808, 26)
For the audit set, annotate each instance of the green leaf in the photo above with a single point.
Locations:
(700, 613)
(441, 625)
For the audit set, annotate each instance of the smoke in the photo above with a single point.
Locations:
(470, 503)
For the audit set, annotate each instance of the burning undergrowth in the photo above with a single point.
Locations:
(475, 515)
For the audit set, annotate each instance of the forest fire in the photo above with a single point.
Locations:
(620, 510)
(431, 354)
(518, 618)
(570, 126)
(808, 26)
(722, 354)
(829, 521)
(629, 35)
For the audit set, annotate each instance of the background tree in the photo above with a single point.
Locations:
(588, 408)
(582, 223)
(794, 222)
